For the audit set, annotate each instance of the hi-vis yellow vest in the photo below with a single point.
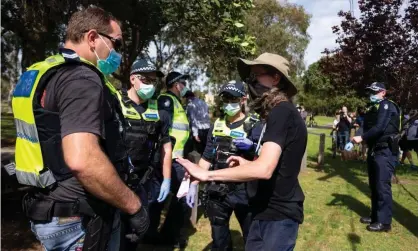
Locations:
(30, 168)
(180, 127)
(129, 112)
(220, 129)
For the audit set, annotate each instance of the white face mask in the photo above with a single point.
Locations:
(232, 109)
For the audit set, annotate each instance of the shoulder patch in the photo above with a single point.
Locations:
(167, 103)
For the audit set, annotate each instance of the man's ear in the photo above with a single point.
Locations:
(91, 37)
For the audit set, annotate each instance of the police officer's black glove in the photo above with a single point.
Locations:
(139, 222)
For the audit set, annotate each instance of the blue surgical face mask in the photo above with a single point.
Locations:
(111, 63)
(232, 109)
(375, 98)
(145, 92)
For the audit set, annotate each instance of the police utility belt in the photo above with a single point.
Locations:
(391, 142)
(39, 209)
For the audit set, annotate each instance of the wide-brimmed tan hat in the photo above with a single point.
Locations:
(276, 61)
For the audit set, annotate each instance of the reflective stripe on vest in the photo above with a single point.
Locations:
(151, 114)
(220, 129)
(30, 169)
(180, 127)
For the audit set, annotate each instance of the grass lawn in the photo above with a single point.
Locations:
(324, 121)
(8, 131)
(337, 194)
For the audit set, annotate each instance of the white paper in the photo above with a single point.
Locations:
(184, 188)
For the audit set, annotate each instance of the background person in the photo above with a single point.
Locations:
(178, 214)
(198, 114)
(146, 136)
(343, 128)
(277, 206)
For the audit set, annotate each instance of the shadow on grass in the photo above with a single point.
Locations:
(351, 172)
(237, 242)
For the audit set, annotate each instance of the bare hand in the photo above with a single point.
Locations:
(197, 138)
(236, 161)
(357, 139)
(194, 170)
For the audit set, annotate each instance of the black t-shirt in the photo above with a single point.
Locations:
(281, 196)
(164, 123)
(76, 93)
(344, 125)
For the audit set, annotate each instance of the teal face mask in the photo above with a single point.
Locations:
(111, 63)
(375, 98)
(183, 91)
(232, 109)
(145, 92)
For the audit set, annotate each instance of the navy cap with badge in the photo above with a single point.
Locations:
(174, 76)
(142, 65)
(234, 88)
(377, 87)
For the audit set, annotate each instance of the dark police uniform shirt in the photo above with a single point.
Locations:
(385, 112)
(166, 103)
(163, 124)
(76, 93)
(281, 197)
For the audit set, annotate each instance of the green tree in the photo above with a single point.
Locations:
(320, 96)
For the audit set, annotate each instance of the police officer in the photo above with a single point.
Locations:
(178, 212)
(68, 141)
(231, 135)
(146, 131)
(381, 128)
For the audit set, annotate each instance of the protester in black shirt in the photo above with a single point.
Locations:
(278, 202)
(343, 128)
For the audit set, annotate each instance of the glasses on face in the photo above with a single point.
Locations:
(230, 99)
(117, 42)
(146, 80)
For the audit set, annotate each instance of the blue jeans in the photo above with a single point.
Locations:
(272, 235)
(343, 138)
(67, 234)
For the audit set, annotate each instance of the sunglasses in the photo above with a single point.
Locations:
(230, 99)
(117, 42)
(146, 80)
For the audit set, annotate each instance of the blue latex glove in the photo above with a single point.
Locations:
(191, 195)
(349, 146)
(243, 143)
(164, 190)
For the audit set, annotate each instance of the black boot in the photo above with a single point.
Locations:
(378, 227)
(366, 220)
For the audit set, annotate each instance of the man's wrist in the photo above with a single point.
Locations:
(136, 206)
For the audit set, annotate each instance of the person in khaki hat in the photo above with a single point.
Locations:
(276, 198)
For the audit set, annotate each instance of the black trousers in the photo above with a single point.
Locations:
(178, 213)
(381, 166)
(219, 212)
(203, 136)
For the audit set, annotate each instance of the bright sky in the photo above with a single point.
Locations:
(324, 15)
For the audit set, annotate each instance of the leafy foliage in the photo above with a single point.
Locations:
(380, 45)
